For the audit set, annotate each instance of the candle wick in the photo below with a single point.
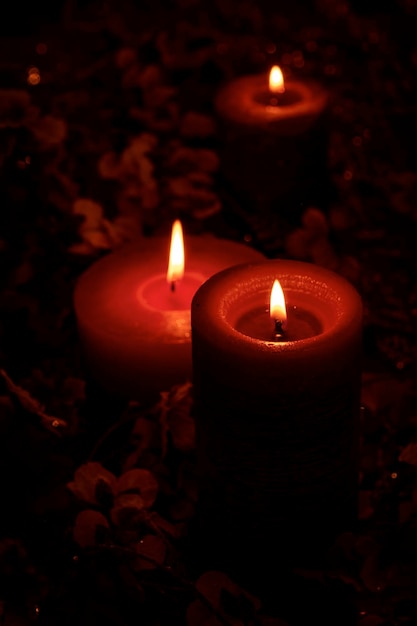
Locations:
(172, 286)
(279, 332)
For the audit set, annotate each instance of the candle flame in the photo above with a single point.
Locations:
(277, 308)
(176, 254)
(276, 80)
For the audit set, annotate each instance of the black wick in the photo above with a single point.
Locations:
(278, 329)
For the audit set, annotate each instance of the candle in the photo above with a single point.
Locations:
(134, 318)
(274, 149)
(276, 391)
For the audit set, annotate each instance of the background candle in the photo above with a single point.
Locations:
(134, 330)
(276, 420)
(274, 146)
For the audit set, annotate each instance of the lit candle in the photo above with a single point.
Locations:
(134, 317)
(275, 141)
(276, 388)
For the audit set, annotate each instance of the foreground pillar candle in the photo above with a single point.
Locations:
(276, 410)
(274, 142)
(134, 327)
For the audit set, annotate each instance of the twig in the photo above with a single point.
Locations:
(177, 577)
(54, 424)
(107, 434)
(152, 525)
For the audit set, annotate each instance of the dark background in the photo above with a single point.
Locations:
(91, 101)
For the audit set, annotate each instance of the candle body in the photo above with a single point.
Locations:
(134, 331)
(277, 421)
(273, 157)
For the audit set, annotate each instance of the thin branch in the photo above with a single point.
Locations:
(174, 575)
(55, 425)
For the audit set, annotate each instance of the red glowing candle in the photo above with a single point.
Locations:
(134, 317)
(276, 386)
(274, 140)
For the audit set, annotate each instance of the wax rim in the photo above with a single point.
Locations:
(235, 100)
(200, 252)
(195, 277)
(227, 289)
(292, 310)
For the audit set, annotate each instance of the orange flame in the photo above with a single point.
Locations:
(276, 80)
(176, 254)
(277, 308)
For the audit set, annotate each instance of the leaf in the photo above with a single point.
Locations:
(127, 509)
(151, 77)
(135, 154)
(126, 228)
(109, 166)
(207, 160)
(158, 96)
(200, 180)
(89, 479)
(26, 400)
(215, 206)
(180, 186)
(161, 524)
(172, 412)
(341, 218)
(125, 57)
(81, 248)
(384, 393)
(350, 268)
(322, 253)
(49, 131)
(298, 244)
(140, 481)
(213, 584)
(238, 606)
(372, 576)
(153, 549)
(229, 603)
(144, 433)
(97, 239)
(88, 526)
(315, 222)
(409, 454)
(366, 546)
(179, 420)
(149, 197)
(186, 159)
(200, 615)
(90, 210)
(365, 504)
(136, 167)
(406, 511)
(23, 273)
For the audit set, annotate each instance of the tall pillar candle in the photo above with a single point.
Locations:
(276, 414)
(134, 329)
(274, 142)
